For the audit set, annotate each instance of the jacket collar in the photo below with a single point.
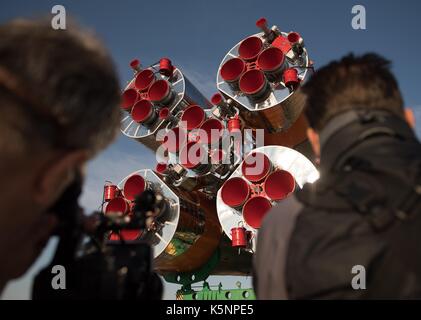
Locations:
(347, 131)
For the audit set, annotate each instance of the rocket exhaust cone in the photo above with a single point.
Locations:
(118, 204)
(193, 116)
(126, 235)
(255, 210)
(256, 167)
(130, 235)
(160, 92)
(133, 187)
(254, 84)
(129, 98)
(272, 59)
(143, 112)
(232, 70)
(279, 184)
(144, 79)
(235, 192)
(250, 48)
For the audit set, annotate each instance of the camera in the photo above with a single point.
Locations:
(95, 267)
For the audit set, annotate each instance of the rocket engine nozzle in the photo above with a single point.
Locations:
(279, 184)
(254, 84)
(144, 79)
(250, 48)
(235, 192)
(129, 98)
(143, 112)
(168, 90)
(266, 176)
(255, 210)
(169, 215)
(256, 166)
(272, 62)
(160, 92)
(117, 205)
(126, 235)
(232, 70)
(134, 186)
(193, 116)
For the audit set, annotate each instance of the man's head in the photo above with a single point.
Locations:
(59, 105)
(353, 82)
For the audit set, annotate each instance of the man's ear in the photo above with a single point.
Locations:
(409, 117)
(313, 137)
(58, 173)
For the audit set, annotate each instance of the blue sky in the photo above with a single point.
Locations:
(197, 34)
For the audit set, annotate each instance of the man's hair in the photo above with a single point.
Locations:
(353, 82)
(58, 89)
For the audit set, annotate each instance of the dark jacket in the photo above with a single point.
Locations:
(363, 211)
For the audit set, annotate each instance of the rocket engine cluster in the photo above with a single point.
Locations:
(224, 162)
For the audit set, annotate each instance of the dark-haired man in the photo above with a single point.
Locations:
(355, 233)
(59, 103)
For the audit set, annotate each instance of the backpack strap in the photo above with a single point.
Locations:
(367, 189)
(355, 180)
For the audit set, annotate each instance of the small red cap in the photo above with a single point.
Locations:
(161, 167)
(291, 77)
(293, 37)
(234, 124)
(165, 67)
(135, 63)
(261, 23)
(216, 98)
(164, 113)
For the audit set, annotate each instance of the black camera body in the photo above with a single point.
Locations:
(99, 268)
(122, 271)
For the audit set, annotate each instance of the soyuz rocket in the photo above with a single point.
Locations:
(223, 162)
